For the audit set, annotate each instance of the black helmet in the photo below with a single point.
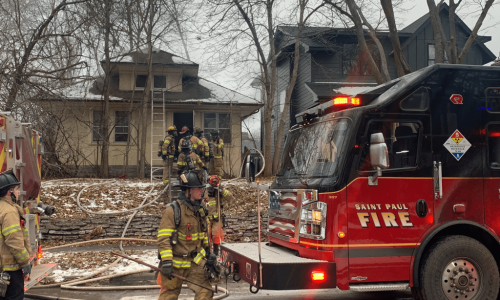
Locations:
(192, 179)
(8, 179)
(215, 133)
(186, 146)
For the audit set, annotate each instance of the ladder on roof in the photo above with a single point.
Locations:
(158, 128)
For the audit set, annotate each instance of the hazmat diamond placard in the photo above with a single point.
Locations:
(457, 144)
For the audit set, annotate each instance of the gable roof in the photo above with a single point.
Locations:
(417, 26)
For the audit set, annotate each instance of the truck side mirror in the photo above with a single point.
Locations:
(251, 168)
(379, 156)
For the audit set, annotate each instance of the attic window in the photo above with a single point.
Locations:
(160, 81)
(140, 81)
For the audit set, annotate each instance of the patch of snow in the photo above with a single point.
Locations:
(222, 94)
(351, 90)
(181, 61)
(82, 91)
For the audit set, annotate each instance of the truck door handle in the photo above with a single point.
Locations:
(421, 208)
(438, 180)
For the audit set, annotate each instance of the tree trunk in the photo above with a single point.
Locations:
(473, 34)
(453, 40)
(401, 64)
(373, 36)
(105, 119)
(363, 46)
(436, 24)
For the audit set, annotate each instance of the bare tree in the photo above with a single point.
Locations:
(442, 44)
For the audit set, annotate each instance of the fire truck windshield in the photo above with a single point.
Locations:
(313, 151)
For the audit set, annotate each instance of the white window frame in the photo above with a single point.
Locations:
(217, 125)
(120, 126)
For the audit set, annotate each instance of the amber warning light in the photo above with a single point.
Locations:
(318, 276)
(346, 101)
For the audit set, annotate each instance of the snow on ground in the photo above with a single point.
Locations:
(79, 264)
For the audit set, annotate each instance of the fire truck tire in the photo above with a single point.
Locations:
(457, 267)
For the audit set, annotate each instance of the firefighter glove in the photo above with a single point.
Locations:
(164, 157)
(159, 153)
(205, 168)
(211, 266)
(207, 159)
(26, 270)
(167, 269)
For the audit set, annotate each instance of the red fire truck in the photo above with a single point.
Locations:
(21, 150)
(392, 188)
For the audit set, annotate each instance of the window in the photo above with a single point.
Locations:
(355, 62)
(218, 121)
(431, 54)
(97, 131)
(140, 81)
(401, 139)
(160, 81)
(417, 101)
(121, 126)
(494, 145)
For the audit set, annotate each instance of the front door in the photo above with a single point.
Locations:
(386, 220)
(182, 119)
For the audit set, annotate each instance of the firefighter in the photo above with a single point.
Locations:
(218, 151)
(205, 150)
(168, 151)
(183, 241)
(196, 143)
(15, 249)
(188, 160)
(216, 222)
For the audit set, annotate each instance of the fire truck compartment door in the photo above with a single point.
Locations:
(384, 226)
(281, 268)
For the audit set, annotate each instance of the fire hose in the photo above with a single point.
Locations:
(72, 284)
(243, 165)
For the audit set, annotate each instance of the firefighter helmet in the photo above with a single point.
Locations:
(186, 146)
(192, 179)
(184, 129)
(215, 134)
(8, 179)
(214, 180)
(172, 128)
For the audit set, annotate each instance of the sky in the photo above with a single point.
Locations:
(414, 10)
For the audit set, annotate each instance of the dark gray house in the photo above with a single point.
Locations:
(331, 63)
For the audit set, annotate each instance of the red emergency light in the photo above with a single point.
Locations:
(347, 101)
(40, 254)
(318, 275)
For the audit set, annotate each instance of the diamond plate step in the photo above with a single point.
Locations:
(38, 273)
(379, 287)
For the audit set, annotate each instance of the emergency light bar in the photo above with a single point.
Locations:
(337, 103)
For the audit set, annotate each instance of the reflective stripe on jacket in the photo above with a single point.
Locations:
(212, 206)
(191, 237)
(15, 249)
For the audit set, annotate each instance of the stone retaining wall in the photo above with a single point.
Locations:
(240, 228)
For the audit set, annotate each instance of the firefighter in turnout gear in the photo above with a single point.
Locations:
(183, 242)
(205, 149)
(15, 249)
(188, 160)
(167, 152)
(196, 143)
(217, 223)
(217, 145)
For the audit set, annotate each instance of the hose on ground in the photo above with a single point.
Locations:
(135, 212)
(100, 240)
(44, 297)
(113, 212)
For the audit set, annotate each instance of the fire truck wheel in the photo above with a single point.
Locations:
(457, 267)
